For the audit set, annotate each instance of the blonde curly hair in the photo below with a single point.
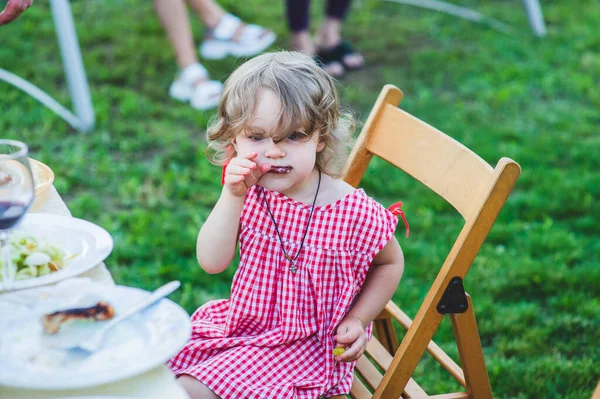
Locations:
(308, 98)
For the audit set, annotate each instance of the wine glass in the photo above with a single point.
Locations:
(16, 195)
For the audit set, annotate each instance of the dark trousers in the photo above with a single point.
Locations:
(298, 12)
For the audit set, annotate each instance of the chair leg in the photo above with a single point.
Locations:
(72, 63)
(384, 329)
(536, 18)
(409, 353)
(471, 353)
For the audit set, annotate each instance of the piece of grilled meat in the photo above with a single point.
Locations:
(100, 311)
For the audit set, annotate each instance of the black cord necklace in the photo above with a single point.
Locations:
(293, 267)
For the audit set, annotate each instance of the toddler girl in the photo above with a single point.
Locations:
(318, 258)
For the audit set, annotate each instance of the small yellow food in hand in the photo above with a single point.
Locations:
(338, 351)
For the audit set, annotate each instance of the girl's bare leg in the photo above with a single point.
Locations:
(173, 17)
(195, 389)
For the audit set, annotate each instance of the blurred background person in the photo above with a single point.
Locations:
(225, 35)
(334, 54)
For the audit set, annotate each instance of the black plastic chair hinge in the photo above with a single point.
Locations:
(454, 299)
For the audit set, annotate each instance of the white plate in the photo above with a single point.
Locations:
(30, 359)
(43, 176)
(90, 244)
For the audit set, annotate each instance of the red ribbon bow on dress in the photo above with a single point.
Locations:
(396, 209)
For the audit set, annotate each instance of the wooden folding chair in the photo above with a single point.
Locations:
(478, 192)
(596, 394)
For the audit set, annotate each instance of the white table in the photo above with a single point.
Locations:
(158, 383)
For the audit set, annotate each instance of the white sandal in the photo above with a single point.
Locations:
(193, 85)
(232, 37)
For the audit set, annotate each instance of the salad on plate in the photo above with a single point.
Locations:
(34, 257)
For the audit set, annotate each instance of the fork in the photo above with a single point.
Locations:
(94, 342)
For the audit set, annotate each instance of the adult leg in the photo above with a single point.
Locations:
(330, 34)
(227, 35)
(195, 389)
(298, 24)
(208, 10)
(193, 83)
(173, 17)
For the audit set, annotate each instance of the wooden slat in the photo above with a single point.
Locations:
(412, 389)
(441, 163)
(383, 359)
(455, 395)
(368, 372)
(436, 352)
(379, 354)
(359, 390)
(371, 375)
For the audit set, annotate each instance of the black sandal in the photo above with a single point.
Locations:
(324, 60)
(337, 54)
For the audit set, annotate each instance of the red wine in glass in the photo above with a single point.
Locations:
(11, 213)
(16, 194)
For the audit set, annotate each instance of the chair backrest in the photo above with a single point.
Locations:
(475, 189)
(596, 394)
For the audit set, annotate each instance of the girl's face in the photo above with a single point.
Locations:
(292, 159)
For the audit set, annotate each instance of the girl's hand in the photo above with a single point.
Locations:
(243, 172)
(351, 334)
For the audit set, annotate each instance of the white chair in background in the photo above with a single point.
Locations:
(536, 18)
(83, 118)
(534, 13)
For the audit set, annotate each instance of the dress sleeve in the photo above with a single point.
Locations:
(374, 230)
(386, 223)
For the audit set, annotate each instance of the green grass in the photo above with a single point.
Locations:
(143, 176)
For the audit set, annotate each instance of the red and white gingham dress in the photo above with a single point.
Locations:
(274, 337)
